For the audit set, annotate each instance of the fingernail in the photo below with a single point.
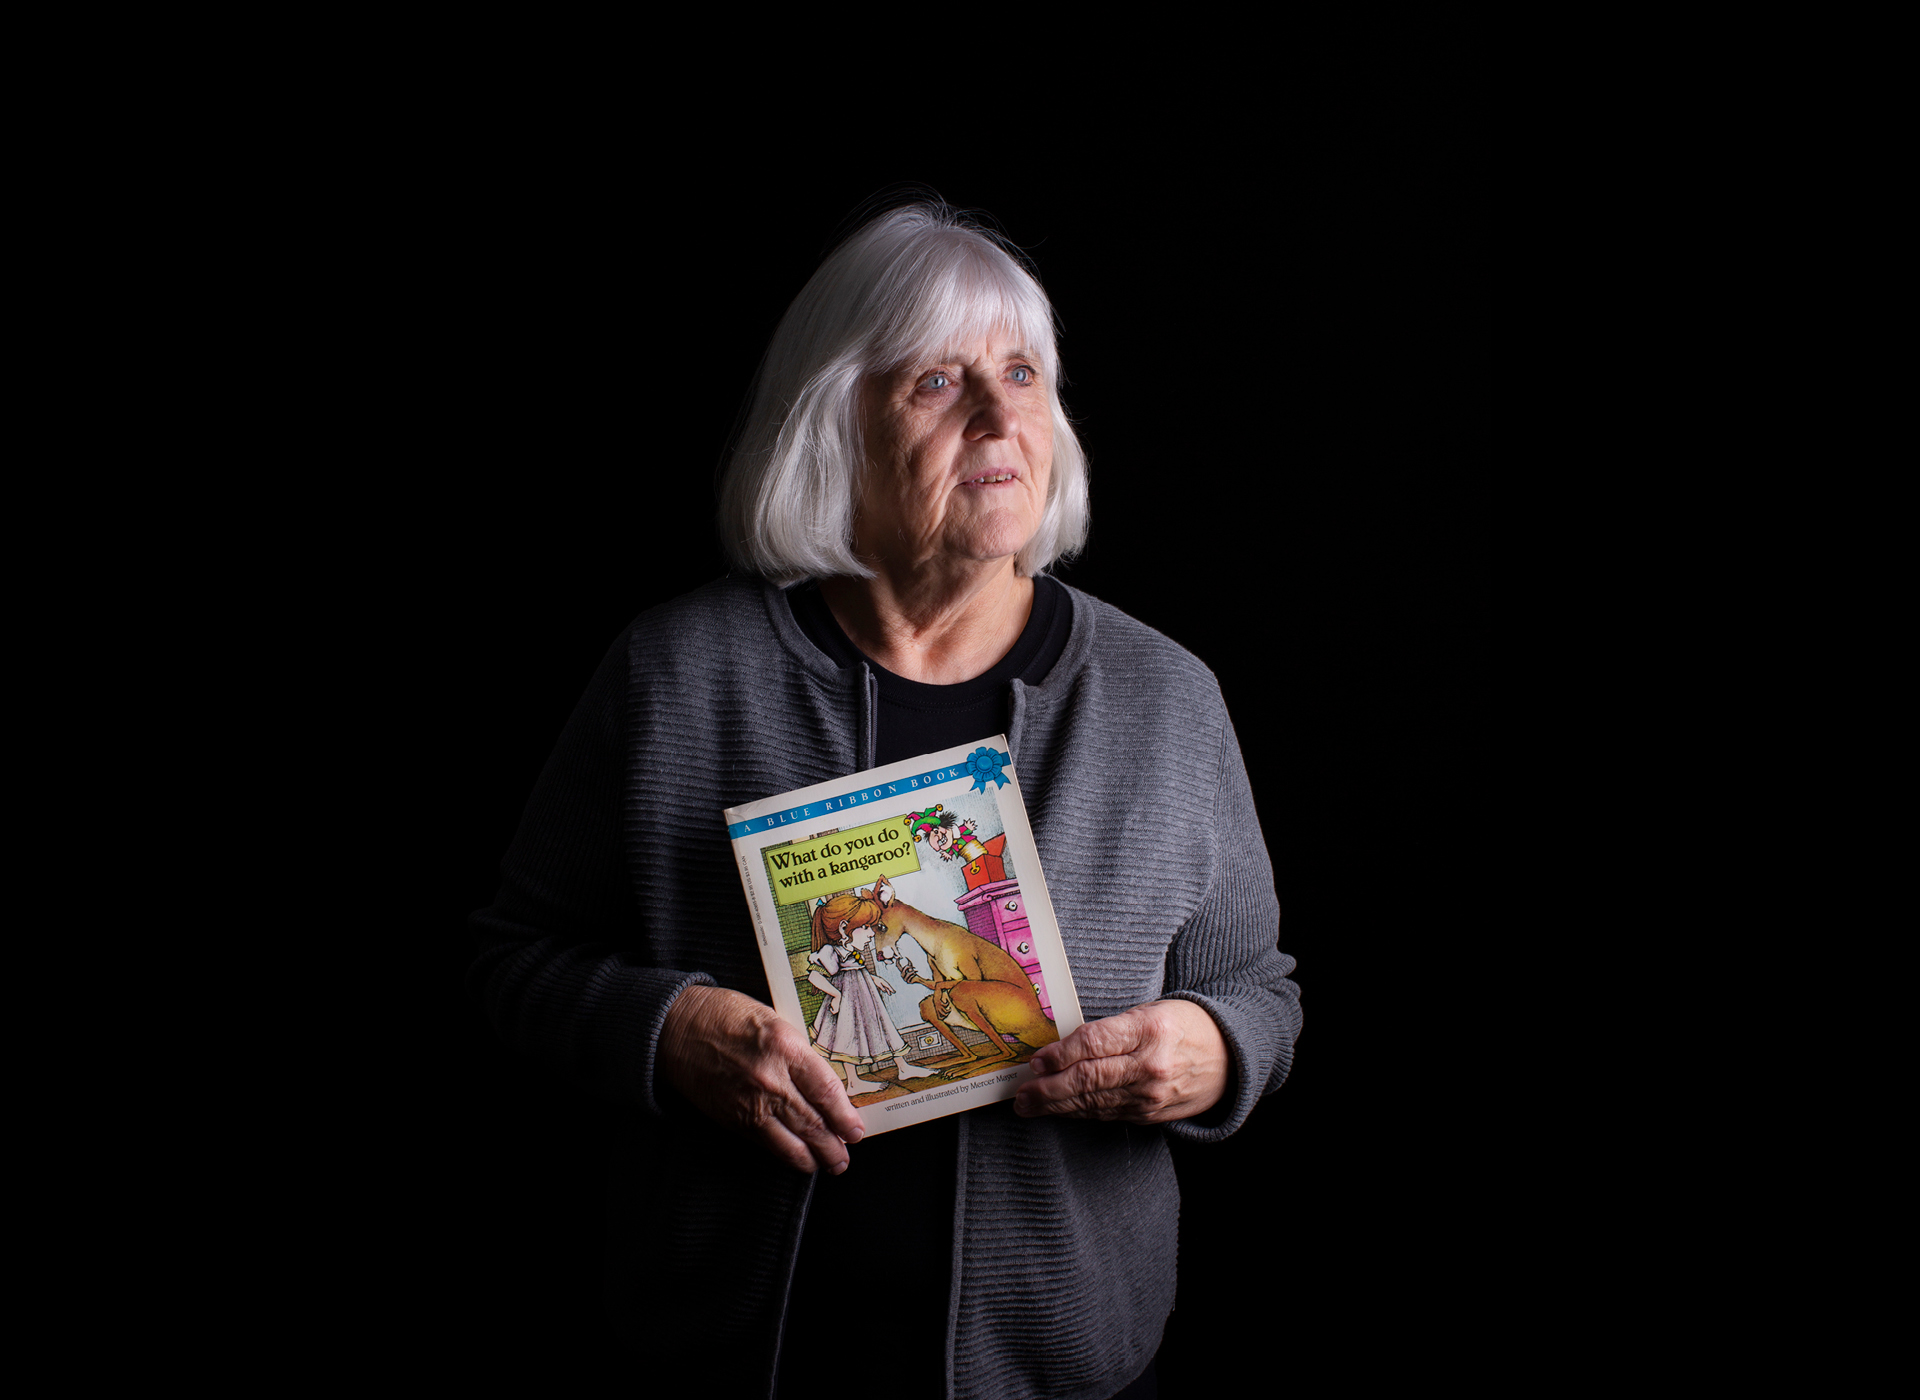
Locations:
(839, 1167)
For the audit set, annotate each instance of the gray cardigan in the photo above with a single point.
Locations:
(620, 890)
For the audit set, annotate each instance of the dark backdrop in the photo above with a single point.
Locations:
(1274, 339)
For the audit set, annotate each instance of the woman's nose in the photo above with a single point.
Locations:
(992, 416)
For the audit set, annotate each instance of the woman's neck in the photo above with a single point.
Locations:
(937, 627)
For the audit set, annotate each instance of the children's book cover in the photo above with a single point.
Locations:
(906, 928)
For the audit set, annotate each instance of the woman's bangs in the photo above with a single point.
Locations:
(975, 295)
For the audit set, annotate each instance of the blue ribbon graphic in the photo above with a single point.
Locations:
(984, 763)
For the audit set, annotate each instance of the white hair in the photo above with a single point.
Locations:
(911, 284)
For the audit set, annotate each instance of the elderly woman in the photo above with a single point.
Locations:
(905, 477)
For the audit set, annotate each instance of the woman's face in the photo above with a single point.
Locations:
(958, 453)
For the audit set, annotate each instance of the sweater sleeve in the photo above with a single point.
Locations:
(562, 972)
(1226, 959)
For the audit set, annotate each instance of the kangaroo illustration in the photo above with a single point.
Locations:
(981, 979)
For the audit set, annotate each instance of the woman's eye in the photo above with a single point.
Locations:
(1021, 374)
(935, 381)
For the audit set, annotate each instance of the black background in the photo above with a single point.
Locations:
(1274, 337)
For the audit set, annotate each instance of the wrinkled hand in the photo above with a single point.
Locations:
(1157, 1063)
(744, 1067)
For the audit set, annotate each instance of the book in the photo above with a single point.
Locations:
(905, 927)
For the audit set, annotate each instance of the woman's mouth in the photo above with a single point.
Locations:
(990, 479)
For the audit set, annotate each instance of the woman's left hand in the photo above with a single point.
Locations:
(1157, 1063)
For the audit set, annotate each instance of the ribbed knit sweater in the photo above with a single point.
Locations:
(619, 891)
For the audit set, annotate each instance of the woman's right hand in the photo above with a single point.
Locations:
(744, 1067)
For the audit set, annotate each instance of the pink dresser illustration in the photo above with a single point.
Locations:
(996, 912)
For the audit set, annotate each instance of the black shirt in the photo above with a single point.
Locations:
(878, 1241)
(916, 718)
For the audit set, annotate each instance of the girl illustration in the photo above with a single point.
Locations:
(851, 1028)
